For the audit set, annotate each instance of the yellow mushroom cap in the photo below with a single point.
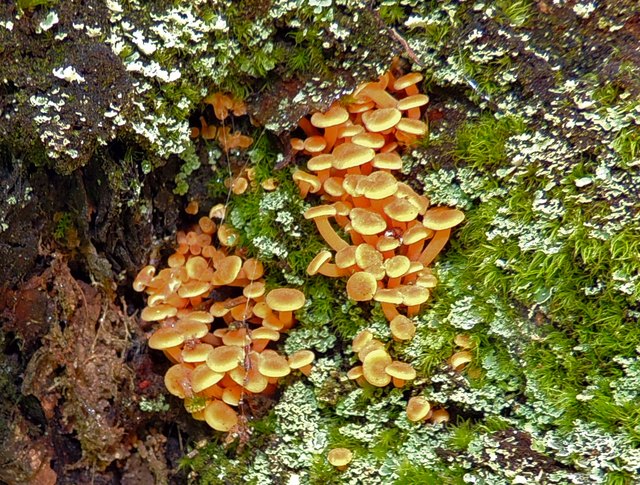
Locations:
(220, 416)
(360, 340)
(316, 263)
(285, 299)
(192, 329)
(362, 286)
(347, 130)
(350, 184)
(381, 119)
(378, 185)
(177, 380)
(261, 333)
(196, 266)
(252, 269)
(414, 295)
(158, 312)
(413, 127)
(401, 370)
(315, 144)
(440, 416)
(439, 218)
(165, 338)
(427, 281)
(388, 295)
(300, 176)
(373, 344)
(366, 222)
(366, 255)
(415, 234)
(414, 101)
(401, 210)
(202, 377)
(346, 257)
(354, 373)
(374, 365)
(227, 270)
(193, 288)
(144, 277)
(225, 358)
(387, 161)
(254, 290)
(418, 408)
(272, 364)
(371, 140)
(333, 187)
(377, 270)
(332, 117)
(196, 353)
(321, 162)
(397, 266)
(301, 358)
(238, 338)
(340, 457)
(407, 80)
(349, 155)
(460, 358)
(402, 328)
(200, 316)
(387, 243)
(320, 211)
(463, 340)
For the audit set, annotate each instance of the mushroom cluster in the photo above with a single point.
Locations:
(222, 105)
(216, 320)
(394, 233)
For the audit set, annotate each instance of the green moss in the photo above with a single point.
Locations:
(518, 12)
(481, 143)
(627, 145)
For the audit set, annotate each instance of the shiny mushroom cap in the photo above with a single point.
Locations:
(440, 218)
(361, 286)
(367, 222)
(418, 408)
(285, 299)
(378, 185)
(220, 416)
(402, 328)
(272, 364)
(340, 457)
(333, 116)
(374, 365)
(381, 119)
(301, 358)
(350, 155)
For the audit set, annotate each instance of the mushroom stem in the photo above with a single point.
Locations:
(413, 310)
(307, 127)
(373, 240)
(394, 282)
(398, 382)
(434, 247)
(286, 317)
(174, 354)
(413, 113)
(330, 136)
(389, 310)
(331, 270)
(414, 250)
(329, 234)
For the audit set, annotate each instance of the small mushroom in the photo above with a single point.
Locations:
(340, 458)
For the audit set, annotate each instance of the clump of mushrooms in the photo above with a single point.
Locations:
(218, 344)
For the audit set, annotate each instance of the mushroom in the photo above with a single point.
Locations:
(301, 360)
(320, 215)
(402, 328)
(340, 458)
(285, 301)
(374, 365)
(401, 372)
(418, 408)
(220, 416)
